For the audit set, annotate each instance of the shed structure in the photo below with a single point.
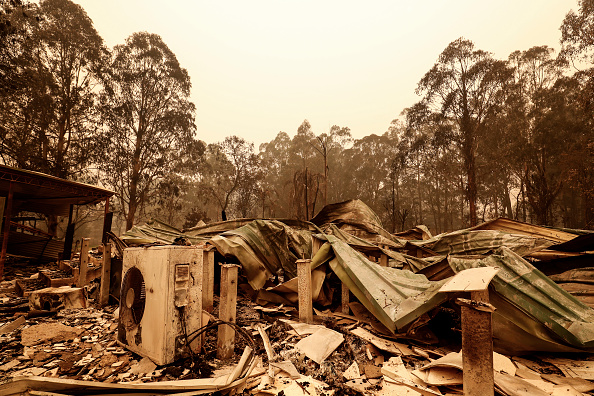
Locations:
(24, 190)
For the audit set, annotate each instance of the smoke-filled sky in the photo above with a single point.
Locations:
(263, 66)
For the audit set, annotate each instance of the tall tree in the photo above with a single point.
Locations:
(274, 158)
(577, 39)
(149, 121)
(52, 116)
(17, 21)
(462, 86)
(511, 146)
(326, 143)
(365, 170)
(537, 72)
(229, 174)
(577, 33)
(22, 112)
(306, 182)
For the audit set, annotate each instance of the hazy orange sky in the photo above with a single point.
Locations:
(260, 67)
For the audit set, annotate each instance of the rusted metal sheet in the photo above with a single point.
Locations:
(528, 299)
(517, 227)
(34, 246)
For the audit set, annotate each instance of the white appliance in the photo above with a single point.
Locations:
(159, 285)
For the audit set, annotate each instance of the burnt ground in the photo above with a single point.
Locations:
(81, 344)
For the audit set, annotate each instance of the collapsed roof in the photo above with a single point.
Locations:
(533, 313)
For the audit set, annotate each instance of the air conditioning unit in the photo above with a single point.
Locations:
(159, 285)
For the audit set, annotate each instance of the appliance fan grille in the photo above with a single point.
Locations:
(133, 295)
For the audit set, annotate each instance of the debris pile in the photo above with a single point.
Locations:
(339, 354)
(386, 316)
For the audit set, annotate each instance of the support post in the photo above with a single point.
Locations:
(477, 345)
(67, 252)
(384, 260)
(193, 311)
(227, 311)
(345, 299)
(105, 275)
(107, 220)
(305, 292)
(84, 263)
(6, 229)
(208, 278)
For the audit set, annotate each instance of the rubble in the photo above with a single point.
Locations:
(55, 298)
(396, 330)
(80, 345)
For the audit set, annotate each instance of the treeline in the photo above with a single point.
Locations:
(488, 138)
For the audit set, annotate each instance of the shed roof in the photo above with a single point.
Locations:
(41, 193)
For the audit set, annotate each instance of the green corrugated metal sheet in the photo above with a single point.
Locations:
(395, 297)
(263, 247)
(537, 297)
(482, 242)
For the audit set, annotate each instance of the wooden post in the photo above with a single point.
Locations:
(477, 346)
(208, 269)
(384, 260)
(105, 275)
(194, 309)
(107, 221)
(305, 292)
(208, 278)
(227, 307)
(6, 229)
(477, 331)
(84, 263)
(345, 299)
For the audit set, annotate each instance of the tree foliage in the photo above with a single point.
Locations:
(229, 176)
(49, 95)
(488, 137)
(149, 121)
(462, 87)
(577, 33)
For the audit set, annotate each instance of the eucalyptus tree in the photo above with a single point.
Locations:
(463, 88)
(536, 72)
(306, 180)
(435, 169)
(229, 176)
(365, 170)
(577, 40)
(507, 153)
(49, 119)
(577, 34)
(17, 21)
(149, 130)
(397, 211)
(21, 111)
(274, 158)
(327, 144)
